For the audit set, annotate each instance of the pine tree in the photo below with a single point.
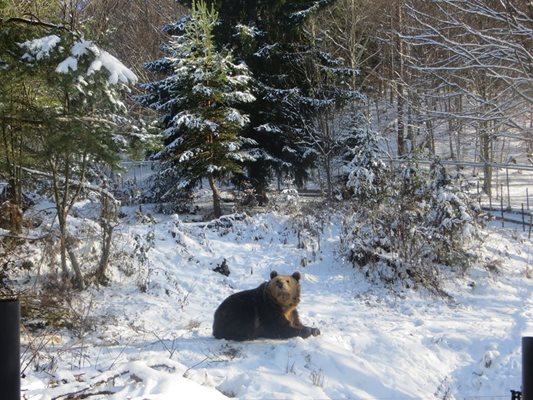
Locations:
(200, 100)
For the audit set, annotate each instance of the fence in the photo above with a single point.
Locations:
(134, 181)
(510, 201)
(136, 173)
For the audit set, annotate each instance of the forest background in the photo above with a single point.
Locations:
(364, 100)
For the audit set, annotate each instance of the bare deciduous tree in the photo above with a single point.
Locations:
(479, 55)
(133, 29)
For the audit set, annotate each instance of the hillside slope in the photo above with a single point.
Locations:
(148, 334)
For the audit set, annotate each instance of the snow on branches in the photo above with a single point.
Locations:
(81, 50)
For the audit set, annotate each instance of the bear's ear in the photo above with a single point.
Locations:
(273, 274)
(296, 276)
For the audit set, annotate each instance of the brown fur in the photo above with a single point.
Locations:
(285, 290)
(267, 311)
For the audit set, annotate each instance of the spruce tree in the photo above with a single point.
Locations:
(269, 35)
(199, 100)
(366, 172)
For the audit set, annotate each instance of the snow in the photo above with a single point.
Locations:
(186, 155)
(118, 72)
(203, 90)
(241, 97)
(152, 338)
(268, 128)
(191, 121)
(233, 115)
(40, 48)
(68, 64)
(232, 146)
(248, 31)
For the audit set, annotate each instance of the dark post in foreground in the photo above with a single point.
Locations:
(10, 348)
(527, 368)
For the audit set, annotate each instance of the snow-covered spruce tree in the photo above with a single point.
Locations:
(423, 221)
(453, 216)
(71, 100)
(269, 35)
(366, 171)
(200, 101)
(300, 88)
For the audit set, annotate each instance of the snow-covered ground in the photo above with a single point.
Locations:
(150, 330)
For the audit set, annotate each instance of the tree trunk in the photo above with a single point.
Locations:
(217, 210)
(328, 177)
(108, 214)
(400, 89)
(62, 244)
(411, 133)
(14, 179)
(78, 276)
(400, 117)
(458, 129)
(430, 107)
(486, 157)
(66, 250)
(431, 136)
(325, 124)
(106, 252)
(450, 138)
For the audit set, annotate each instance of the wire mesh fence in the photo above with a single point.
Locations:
(510, 200)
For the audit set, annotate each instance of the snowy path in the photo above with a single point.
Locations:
(373, 345)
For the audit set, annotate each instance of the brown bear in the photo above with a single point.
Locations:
(268, 311)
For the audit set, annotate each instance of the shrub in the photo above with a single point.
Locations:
(424, 220)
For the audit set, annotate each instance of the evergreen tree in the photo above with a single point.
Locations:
(367, 173)
(453, 214)
(199, 100)
(59, 116)
(421, 221)
(269, 35)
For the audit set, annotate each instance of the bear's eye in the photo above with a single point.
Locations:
(279, 284)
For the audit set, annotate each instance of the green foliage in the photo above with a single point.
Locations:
(62, 120)
(57, 91)
(201, 99)
(58, 113)
(213, 86)
(269, 36)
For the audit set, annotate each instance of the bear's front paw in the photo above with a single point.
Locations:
(306, 332)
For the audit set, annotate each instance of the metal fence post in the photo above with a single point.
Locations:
(527, 368)
(508, 189)
(501, 206)
(10, 348)
(523, 218)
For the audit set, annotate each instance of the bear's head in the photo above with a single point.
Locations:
(284, 289)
